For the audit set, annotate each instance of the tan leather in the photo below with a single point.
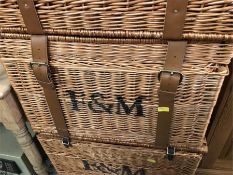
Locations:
(40, 65)
(30, 18)
(175, 19)
(170, 77)
(41, 71)
(40, 58)
(169, 82)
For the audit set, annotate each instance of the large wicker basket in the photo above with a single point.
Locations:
(89, 158)
(126, 68)
(209, 19)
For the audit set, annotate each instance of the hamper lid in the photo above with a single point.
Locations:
(128, 18)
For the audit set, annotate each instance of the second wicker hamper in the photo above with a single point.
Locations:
(89, 158)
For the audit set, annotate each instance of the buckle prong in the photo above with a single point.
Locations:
(33, 63)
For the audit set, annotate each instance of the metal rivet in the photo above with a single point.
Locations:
(25, 5)
(175, 11)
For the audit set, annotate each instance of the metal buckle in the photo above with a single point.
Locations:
(171, 72)
(171, 152)
(33, 63)
(66, 141)
(39, 64)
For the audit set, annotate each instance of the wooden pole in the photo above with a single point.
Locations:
(12, 119)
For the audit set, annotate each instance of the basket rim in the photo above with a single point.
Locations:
(212, 37)
(196, 150)
(108, 40)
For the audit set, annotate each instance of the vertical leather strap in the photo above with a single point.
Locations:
(40, 66)
(30, 17)
(175, 19)
(171, 77)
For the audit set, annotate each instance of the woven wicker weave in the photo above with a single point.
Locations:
(111, 159)
(91, 17)
(90, 66)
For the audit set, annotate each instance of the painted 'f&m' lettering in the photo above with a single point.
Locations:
(100, 167)
(105, 108)
(94, 104)
(127, 109)
(127, 171)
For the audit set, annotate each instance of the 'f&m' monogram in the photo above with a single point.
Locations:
(96, 106)
(100, 167)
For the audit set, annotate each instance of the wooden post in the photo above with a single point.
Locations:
(12, 119)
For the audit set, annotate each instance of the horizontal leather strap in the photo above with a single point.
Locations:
(175, 19)
(169, 81)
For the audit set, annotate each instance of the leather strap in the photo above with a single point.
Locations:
(170, 79)
(40, 66)
(175, 19)
(30, 17)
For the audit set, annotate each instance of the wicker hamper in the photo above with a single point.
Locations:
(113, 68)
(109, 71)
(90, 158)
